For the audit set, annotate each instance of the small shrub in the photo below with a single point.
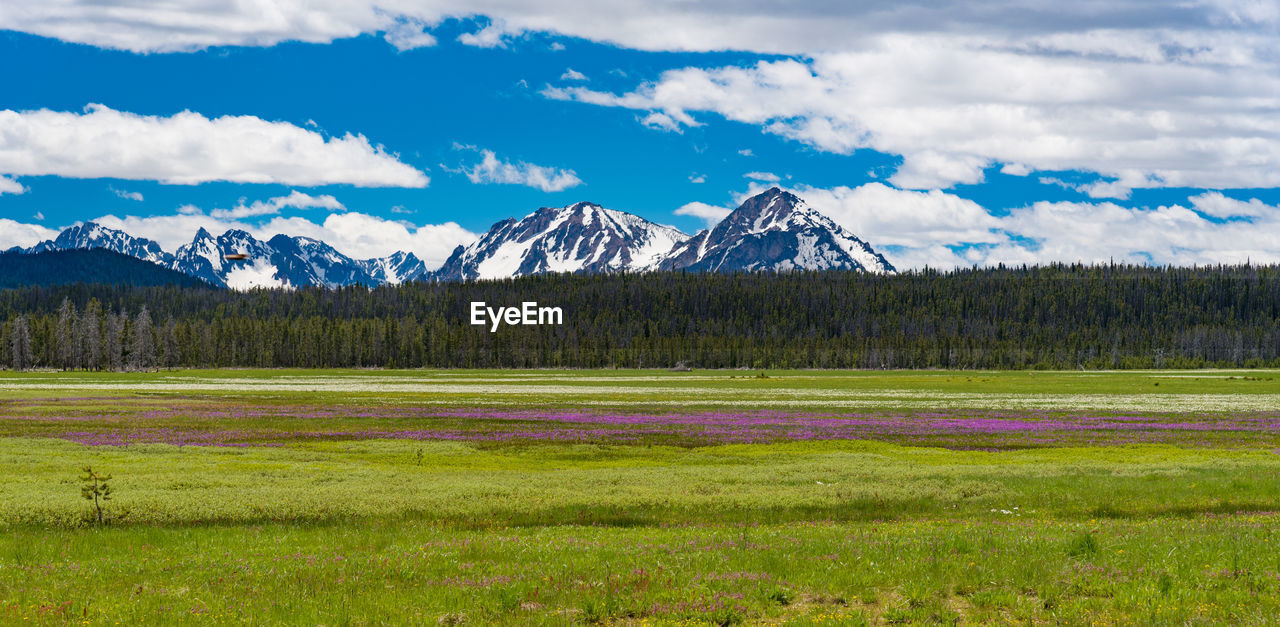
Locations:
(95, 488)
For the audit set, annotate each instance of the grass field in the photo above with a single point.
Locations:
(642, 497)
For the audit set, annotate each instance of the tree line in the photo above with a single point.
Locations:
(1059, 316)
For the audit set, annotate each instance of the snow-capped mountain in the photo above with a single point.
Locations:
(238, 260)
(93, 235)
(206, 258)
(306, 261)
(282, 261)
(394, 269)
(582, 237)
(775, 230)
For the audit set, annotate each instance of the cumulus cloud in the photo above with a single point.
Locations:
(710, 214)
(409, 33)
(941, 230)
(768, 26)
(491, 169)
(272, 206)
(127, 195)
(662, 122)
(573, 75)
(1177, 235)
(10, 186)
(14, 233)
(1216, 205)
(492, 36)
(188, 148)
(1124, 111)
(1144, 93)
(765, 177)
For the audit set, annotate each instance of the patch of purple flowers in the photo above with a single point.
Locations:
(196, 423)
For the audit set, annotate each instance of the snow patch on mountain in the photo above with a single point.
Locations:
(259, 273)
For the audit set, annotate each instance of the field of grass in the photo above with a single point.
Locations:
(642, 497)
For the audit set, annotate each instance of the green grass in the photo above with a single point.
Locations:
(396, 531)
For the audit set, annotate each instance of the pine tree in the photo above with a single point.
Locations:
(90, 335)
(113, 343)
(20, 337)
(67, 339)
(142, 353)
(169, 355)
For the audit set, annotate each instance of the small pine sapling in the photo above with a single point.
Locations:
(96, 489)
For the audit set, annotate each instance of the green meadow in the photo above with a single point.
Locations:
(641, 497)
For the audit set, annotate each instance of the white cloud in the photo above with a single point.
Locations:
(13, 233)
(766, 177)
(1219, 206)
(491, 169)
(1141, 120)
(10, 186)
(127, 195)
(769, 26)
(188, 148)
(1098, 232)
(272, 206)
(573, 75)
(1145, 93)
(710, 214)
(661, 121)
(746, 152)
(408, 34)
(697, 178)
(556, 46)
(492, 36)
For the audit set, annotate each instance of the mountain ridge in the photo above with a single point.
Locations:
(773, 231)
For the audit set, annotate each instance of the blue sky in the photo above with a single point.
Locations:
(939, 136)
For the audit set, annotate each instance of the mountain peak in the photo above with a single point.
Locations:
(776, 230)
(91, 235)
(581, 237)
